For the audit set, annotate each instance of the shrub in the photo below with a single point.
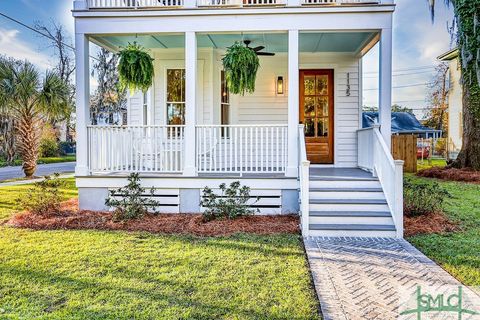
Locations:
(230, 204)
(44, 197)
(421, 198)
(131, 201)
(48, 143)
(49, 148)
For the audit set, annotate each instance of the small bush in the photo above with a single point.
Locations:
(421, 198)
(44, 197)
(232, 202)
(49, 148)
(131, 201)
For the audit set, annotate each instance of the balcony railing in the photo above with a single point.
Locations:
(133, 4)
(145, 4)
(238, 3)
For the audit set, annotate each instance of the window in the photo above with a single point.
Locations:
(225, 104)
(145, 108)
(175, 97)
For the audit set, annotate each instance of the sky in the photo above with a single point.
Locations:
(417, 43)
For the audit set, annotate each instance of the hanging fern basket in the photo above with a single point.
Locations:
(135, 68)
(241, 65)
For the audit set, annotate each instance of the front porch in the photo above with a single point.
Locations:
(189, 124)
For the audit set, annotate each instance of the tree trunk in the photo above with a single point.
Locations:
(29, 133)
(469, 156)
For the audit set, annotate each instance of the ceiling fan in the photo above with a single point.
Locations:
(258, 50)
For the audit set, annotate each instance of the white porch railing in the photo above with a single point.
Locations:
(238, 3)
(133, 4)
(304, 174)
(139, 4)
(340, 1)
(136, 149)
(374, 155)
(242, 148)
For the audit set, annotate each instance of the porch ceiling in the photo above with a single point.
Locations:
(274, 42)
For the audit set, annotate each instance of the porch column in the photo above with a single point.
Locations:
(82, 78)
(190, 103)
(385, 85)
(293, 104)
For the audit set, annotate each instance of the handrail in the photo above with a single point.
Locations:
(390, 175)
(304, 175)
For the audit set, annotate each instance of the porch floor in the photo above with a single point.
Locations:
(340, 173)
(315, 172)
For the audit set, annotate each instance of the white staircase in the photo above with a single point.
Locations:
(348, 205)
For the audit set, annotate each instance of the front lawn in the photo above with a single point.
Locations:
(120, 275)
(459, 252)
(427, 164)
(46, 160)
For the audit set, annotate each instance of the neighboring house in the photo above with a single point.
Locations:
(403, 123)
(188, 131)
(455, 103)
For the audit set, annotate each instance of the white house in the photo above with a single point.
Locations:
(455, 103)
(297, 141)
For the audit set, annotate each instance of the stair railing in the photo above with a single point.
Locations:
(374, 155)
(304, 175)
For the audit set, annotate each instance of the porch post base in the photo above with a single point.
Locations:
(190, 171)
(291, 172)
(81, 171)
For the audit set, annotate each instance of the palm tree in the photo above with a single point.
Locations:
(467, 22)
(31, 101)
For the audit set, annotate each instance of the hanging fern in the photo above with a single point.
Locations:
(241, 65)
(135, 68)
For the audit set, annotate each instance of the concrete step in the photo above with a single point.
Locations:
(315, 205)
(353, 233)
(363, 227)
(350, 214)
(351, 189)
(350, 220)
(336, 178)
(350, 194)
(344, 184)
(352, 230)
(348, 201)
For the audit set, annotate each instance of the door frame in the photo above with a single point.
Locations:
(332, 116)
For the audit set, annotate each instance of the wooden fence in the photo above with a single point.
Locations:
(404, 147)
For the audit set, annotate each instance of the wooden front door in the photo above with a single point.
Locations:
(316, 113)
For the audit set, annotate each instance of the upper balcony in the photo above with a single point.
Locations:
(212, 4)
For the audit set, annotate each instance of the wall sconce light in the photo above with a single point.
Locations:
(280, 85)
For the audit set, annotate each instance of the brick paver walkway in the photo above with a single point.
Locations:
(361, 278)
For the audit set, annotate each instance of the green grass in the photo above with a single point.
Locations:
(61, 159)
(120, 275)
(427, 164)
(9, 195)
(459, 252)
(57, 159)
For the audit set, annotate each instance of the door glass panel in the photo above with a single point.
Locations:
(322, 127)
(322, 106)
(309, 84)
(322, 85)
(309, 107)
(309, 128)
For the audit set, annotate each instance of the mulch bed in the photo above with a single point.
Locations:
(428, 224)
(70, 218)
(451, 174)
